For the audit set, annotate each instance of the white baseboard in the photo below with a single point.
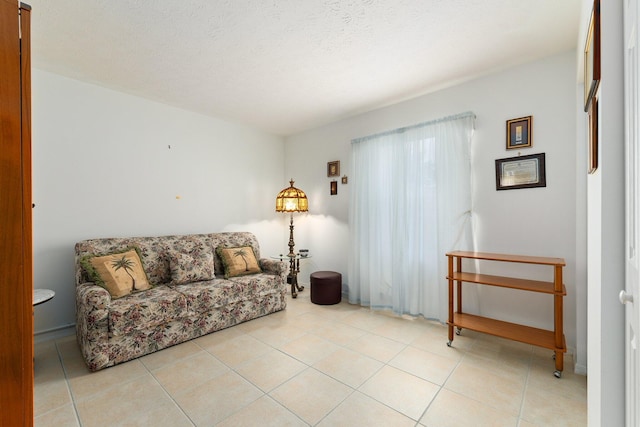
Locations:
(55, 333)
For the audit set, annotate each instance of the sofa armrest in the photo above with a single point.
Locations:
(92, 322)
(92, 309)
(91, 295)
(273, 266)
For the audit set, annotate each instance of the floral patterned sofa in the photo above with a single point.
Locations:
(177, 307)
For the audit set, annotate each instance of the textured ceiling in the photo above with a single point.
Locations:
(289, 65)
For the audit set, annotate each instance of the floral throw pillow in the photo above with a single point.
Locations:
(190, 267)
(119, 273)
(238, 261)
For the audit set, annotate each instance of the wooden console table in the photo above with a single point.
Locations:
(553, 340)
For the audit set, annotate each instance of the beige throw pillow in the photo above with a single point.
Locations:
(238, 261)
(120, 273)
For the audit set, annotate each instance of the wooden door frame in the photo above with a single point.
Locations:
(16, 280)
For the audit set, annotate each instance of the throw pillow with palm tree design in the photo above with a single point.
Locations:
(119, 273)
(238, 261)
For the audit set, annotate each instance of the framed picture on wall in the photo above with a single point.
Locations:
(592, 56)
(521, 172)
(333, 168)
(519, 132)
(333, 188)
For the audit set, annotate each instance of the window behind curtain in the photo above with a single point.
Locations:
(410, 204)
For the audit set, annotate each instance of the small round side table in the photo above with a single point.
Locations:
(42, 295)
(294, 269)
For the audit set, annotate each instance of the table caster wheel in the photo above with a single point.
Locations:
(554, 356)
(557, 374)
(448, 343)
(458, 330)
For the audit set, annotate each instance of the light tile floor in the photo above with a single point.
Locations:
(312, 365)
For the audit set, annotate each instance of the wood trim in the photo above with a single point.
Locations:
(508, 258)
(27, 215)
(510, 282)
(521, 333)
(16, 286)
(450, 280)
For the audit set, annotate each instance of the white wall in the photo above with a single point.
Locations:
(538, 221)
(102, 167)
(605, 243)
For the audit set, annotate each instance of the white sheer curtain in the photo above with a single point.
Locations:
(410, 204)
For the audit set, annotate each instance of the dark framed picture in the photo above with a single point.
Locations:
(333, 188)
(519, 132)
(521, 172)
(592, 56)
(592, 149)
(333, 168)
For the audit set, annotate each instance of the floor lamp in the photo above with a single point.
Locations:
(291, 200)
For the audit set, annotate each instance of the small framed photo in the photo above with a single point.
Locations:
(333, 188)
(345, 179)
(521, 172)
(333, 168)
(592, 56)
(519, 132)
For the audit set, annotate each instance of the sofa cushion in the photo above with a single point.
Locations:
(120, 273)
(238, 261)
(207, 295)
(190, 267)
(259, 285)
(145, 310)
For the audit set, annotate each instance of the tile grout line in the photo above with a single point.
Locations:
(524, 390)
(387, 363)
(310, 366)
(441, 386)
(166, 392)
(66, 380)
(67, 388)
(264, 393)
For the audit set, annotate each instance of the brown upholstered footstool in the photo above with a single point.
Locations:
(326, 287)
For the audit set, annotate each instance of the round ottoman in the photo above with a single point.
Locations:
(326, 287)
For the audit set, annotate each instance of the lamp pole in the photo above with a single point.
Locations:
(291, 243)
(294, 263)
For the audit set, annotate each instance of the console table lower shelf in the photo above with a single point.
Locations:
(511, 331)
